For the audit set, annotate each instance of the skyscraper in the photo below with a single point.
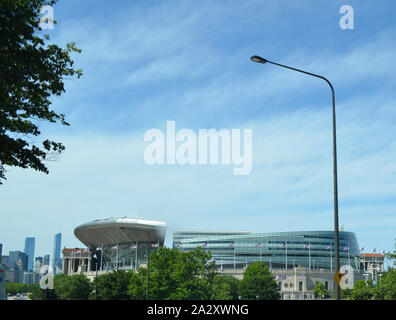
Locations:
(38, 262)
(17, 260)
(46, 260)
(57, 263)
(2, 283)
(29, 250)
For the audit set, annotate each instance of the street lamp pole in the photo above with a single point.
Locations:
(148, 266)
(336, 232)
(96, 281)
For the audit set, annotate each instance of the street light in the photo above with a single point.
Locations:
(259, 59)
(148, 265)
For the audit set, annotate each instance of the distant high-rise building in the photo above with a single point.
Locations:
(46, 260)
(57, 262)
(38, 262)
(2, 283)
(29, 250)
(28, 277)
(17, 260)
(4, 261)
(2, 276)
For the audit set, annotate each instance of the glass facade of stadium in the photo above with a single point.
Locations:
(126, 255)
(309, 249)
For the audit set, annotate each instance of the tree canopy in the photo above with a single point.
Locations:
(66, 287)
(320, 290)
(259, 283)
(113, 285)
(14, 288)
(31, 71)
(362, 290)
(392, 256)
(384, 289)
(225, 287)
(176, 275)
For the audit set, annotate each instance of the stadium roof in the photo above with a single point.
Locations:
(120, 230)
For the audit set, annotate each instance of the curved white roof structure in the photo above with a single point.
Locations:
(120, 230)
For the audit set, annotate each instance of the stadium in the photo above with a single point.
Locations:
(126, 243)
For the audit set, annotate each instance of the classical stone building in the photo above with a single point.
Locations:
(372, 264)
(298, 283)
(76, 260)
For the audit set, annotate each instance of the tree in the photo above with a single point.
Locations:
(14, 288)
(386, 287)
(74, 287)
(113, 285)
(225, 288)
(42, 294)
(345, 294)
(31, 71)
(259, 283)
(194, 272)
(320, 290)
(138, 285)
(362, 290)
(66, 287)
(392, 256)
(175, 275)
(164, 280)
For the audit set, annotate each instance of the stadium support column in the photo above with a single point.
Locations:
(89, 261)
(286, 256)
(101, 257)
(136, 255)
(117, 257)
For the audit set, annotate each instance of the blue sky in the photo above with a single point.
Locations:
(146, 62)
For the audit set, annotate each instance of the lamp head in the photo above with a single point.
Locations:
(258, 59)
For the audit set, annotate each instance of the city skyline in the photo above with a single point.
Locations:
(189, 62)
(169, 242)
(29, 250)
